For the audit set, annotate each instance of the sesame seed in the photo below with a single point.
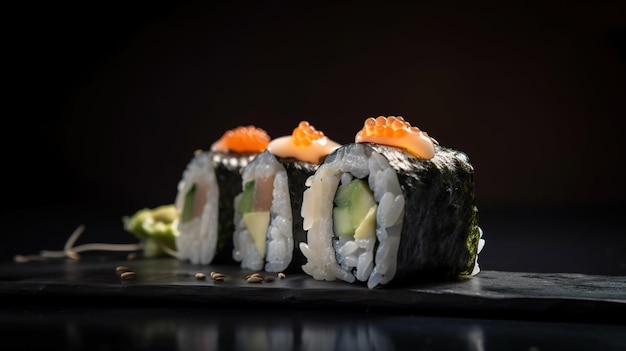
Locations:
(128, 275)
(254, 280)
(255, 274)
(121, 269)
(218, 275)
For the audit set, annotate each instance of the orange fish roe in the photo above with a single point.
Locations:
(395, 131)
(305, 144)
(305, 134)
(244, 139)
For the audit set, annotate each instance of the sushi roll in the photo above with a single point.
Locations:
(390, 208)
(204, 200)
(267, 216)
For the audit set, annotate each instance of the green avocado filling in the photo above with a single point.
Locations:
(256, 221)
(354, 213)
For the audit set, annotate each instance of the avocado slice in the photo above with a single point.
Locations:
(257, 224)
(367, 227)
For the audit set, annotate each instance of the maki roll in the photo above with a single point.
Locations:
(392, 207)
(204, 200)
(267, 216)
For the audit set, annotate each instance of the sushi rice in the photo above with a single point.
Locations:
(371, 260)
(198, 237)
(279, 245)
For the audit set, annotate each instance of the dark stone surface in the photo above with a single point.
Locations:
(568, 296)
(167, 282)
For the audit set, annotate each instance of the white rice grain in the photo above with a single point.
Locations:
(330, 258)
(279, 244)
(197, 238)
(280, 239)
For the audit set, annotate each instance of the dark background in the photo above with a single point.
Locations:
(108, 100)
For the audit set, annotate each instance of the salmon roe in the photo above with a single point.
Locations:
(305, 134)
(395, 131)
(243, 139)
(305, 144)
(389, 127)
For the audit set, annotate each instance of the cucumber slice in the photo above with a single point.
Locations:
(354, 208)
(342, 221)
(247, 199)
(187, 212)
(360, 203)
(343, 194)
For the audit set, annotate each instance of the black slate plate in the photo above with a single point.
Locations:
(169, 282)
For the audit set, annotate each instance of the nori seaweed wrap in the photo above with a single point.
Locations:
(440, 230)
(267, 214)
(206, 192)
(379, 214)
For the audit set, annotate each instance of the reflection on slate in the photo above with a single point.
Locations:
(170, 282)
(231, 329)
